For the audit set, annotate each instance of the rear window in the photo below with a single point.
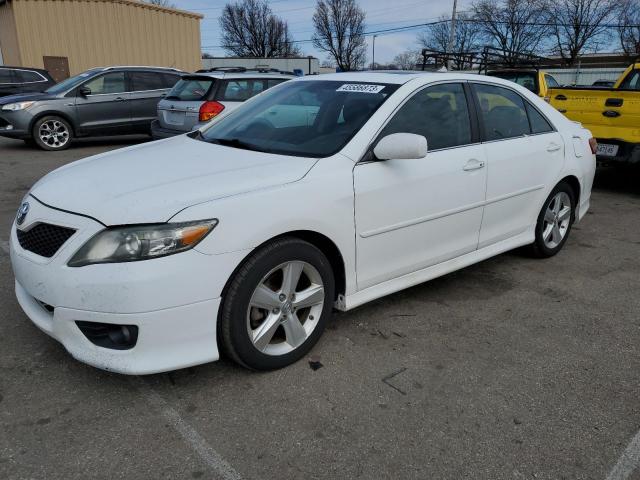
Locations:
(191, 89)
(525, 79)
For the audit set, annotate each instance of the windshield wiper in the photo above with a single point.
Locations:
(236, 143)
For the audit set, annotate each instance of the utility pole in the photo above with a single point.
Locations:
(373, 61)
(452, 36)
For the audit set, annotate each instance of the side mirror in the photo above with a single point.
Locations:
(84, 91)
(401, 146)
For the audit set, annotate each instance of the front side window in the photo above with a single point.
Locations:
(502, 112)
(632, 81)
(70, 82)
(551, 82)
(105, 84)
(314, 118)
(439, 113)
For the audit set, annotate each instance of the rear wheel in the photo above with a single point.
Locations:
(554, 221)
(52, 133)
(277, 305)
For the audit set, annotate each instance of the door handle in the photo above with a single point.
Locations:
(119, 99)
(473, 164)
(553, 147)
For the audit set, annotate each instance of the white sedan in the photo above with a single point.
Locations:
(321, 193)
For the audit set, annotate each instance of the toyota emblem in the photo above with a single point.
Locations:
(22, 213)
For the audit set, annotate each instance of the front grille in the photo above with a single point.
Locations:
(44, 239)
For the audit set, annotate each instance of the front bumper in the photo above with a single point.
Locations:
(14, 124)
(172, 300)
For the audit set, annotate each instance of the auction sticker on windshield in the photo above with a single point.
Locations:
(359, 87)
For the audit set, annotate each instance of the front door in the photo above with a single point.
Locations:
(104, 109)
(411, 214)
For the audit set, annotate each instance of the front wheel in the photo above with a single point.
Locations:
(52, 133)
(554, 221)
(277, 305)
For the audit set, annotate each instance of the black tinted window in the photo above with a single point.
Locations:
(502, 111)
(5, 76)
(439, 113)
(108, 83)
(28, 76)
(147, 81)
(539, 124)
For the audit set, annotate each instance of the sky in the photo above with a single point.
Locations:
(380, 14)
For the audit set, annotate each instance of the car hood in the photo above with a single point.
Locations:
(150, 183)
(25, 97)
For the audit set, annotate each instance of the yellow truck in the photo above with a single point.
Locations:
(538, 81)
(612, 115)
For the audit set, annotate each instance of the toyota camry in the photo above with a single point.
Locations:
(322, 193)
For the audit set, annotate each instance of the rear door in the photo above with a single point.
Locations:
(147, 89)
(106, 109)
(524, 155)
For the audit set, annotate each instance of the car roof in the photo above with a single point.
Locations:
(249, 73)
(136, 67)
(32, 69)
(398, 77)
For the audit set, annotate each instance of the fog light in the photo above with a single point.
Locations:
(108, 335)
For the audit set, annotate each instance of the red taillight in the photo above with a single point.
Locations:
(208, 110)
(593, 143)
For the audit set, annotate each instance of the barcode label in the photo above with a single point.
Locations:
(361, 88)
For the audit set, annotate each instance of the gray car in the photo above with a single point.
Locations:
(100, 101)
(197, 98)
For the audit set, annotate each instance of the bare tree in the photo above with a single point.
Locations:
(468, 37)
(629, 27)
(515, 26)
(250, 29)
(339, 31)
(578, 26)
(406, 60)
(162, 3)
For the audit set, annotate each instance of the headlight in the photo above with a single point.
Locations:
(17, 106)
(129, 244)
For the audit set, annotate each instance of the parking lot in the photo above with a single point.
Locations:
(512, 368)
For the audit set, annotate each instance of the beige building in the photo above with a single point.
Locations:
(69, 36)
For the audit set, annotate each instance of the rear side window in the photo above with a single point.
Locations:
(439, 113)
(502, 111)
(146, 81)
(6, 76)
(109, 83)
(191, 89)
(240, 90)
(539, 124)
(169, 80)
(26, 76)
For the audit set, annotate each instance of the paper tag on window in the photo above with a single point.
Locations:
(361, 88)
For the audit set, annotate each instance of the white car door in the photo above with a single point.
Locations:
(524, 154)
(411, 214)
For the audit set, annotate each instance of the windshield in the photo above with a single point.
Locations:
(191, 89)
(71, 82)
(306, 118)
(525, 79)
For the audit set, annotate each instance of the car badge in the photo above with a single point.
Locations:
(22, 213)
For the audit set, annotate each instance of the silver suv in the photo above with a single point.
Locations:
(198, 98)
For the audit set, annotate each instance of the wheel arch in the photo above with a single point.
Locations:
(53, 113)
(574, 183)
(321, 242)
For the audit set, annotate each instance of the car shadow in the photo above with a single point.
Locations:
(618, 179)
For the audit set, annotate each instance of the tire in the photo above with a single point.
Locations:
(52, 133)
(553, 226)
(260, 325)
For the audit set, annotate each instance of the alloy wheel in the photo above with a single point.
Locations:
(557, 219)
(54, 133)
(285, 308)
